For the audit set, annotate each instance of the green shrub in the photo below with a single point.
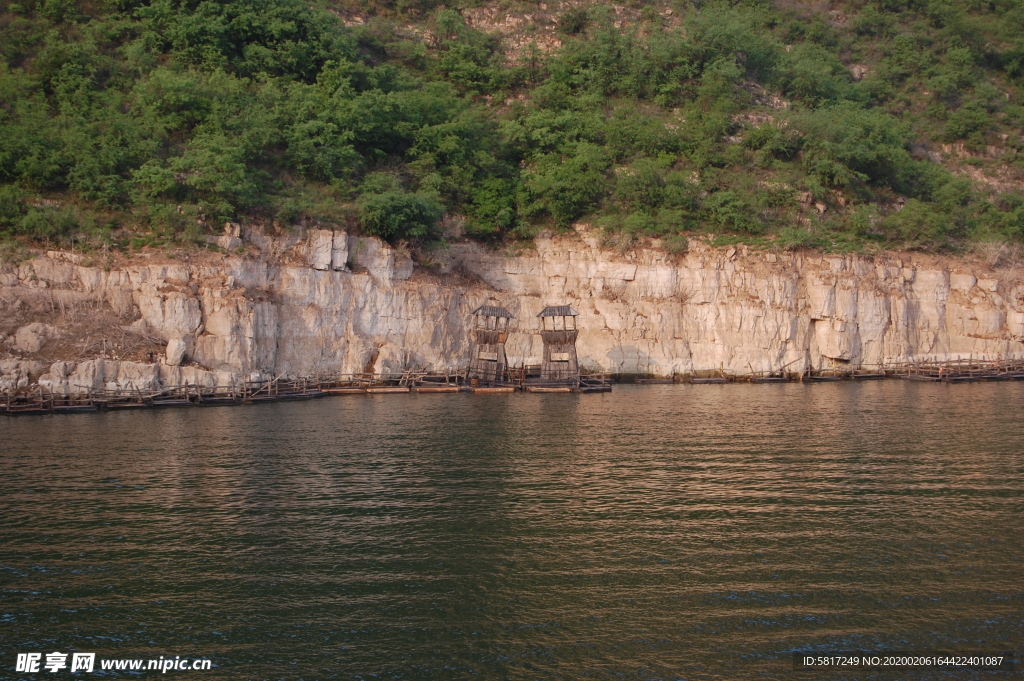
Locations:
(640, 222)
(773, 142)
(565, 189)
(673, 221)
(731, 211)
(919, 225)
(870, 22)
(969, 122)
(11, 206)
(48, 223)
(719, 31)
(641, 185)
(813, 74)
(845, 145)
(397, 215)
(1003, 219)
(491, 208)
(573, 20)
(682, 191)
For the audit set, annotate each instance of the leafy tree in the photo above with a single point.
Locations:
(573, 20)
(813, 74)
(729, 210)
(641, 185)
(969, 122)
(918, 225)
(398, 215)
(566, 188)
(845, 145)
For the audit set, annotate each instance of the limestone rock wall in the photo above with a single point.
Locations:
(651, 312)
(324, 302)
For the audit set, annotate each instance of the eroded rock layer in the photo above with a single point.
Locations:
(324, 303)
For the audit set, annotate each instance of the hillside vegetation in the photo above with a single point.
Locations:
(850, 125)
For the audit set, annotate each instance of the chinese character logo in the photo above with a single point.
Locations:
(28, 662)
(55, 661)
(82, 662)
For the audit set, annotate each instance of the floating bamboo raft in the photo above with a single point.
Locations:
(39, 401)
(963, 371)
(950, 371)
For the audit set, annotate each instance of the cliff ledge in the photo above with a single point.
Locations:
(322, 302)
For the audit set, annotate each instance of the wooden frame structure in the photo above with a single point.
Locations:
(488, 363)
(560, 367)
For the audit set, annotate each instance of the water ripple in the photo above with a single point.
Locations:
(659, 532)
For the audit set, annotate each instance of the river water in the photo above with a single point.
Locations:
(657, 532)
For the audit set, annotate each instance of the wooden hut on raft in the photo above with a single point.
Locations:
(488, 365)
(560, 367)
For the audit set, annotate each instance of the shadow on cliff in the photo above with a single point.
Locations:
(625, 359)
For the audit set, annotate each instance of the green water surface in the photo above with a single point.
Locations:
(657, 532)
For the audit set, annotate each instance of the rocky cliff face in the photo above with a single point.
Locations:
(323, 302)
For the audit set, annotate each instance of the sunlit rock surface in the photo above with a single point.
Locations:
(324, 303)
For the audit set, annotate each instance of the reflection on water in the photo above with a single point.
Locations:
(696, 532)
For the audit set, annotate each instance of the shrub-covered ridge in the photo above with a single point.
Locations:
(888, 122)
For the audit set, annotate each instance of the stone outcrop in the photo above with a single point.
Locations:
(328, 250)
(324, 302)
(17, 374)
(175, 353)
(32, 337)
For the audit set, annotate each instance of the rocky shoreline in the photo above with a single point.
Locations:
(322, 302)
